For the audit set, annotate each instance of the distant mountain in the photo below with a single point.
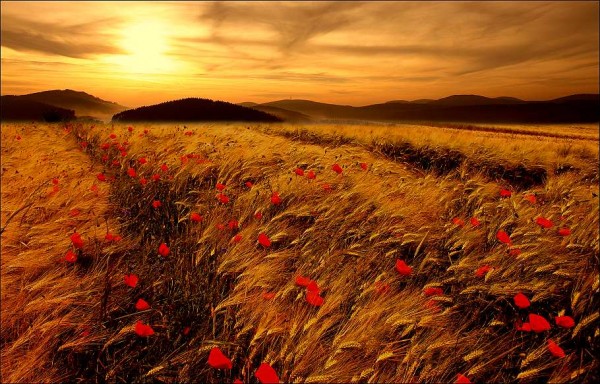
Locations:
(579, 97)
(460, 100)
(397, 102)
(284, 114)
(311, 108)
(15, 108)
(80, 102)
(422, 101)
(248, 104)
(194, 109)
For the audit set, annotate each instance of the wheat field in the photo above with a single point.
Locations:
(306, 254)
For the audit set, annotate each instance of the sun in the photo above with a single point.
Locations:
(146, 44)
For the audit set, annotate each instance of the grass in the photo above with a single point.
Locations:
(64, 321)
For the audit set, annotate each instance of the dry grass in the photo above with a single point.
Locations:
(346, 239)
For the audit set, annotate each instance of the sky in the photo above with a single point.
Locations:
(355, 53)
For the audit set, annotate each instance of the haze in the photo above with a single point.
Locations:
(353, 53)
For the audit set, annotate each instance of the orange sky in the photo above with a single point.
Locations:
(354, 53)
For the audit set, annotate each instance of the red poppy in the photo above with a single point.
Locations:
(538, 323)
(458, 222)
(313, 298)
(116, 163)
(164, 168)
(531, 198)
(475, 222)
(336, 168)
(313, 287)
(258, 215)
(156, 204)
(266, 374)
(238, 381)
(188, 133)
(184, 159)
(222, 198)
(327, 187)
(514, 252)
(433, 306)
(220, 226)
(268, 295)
(503, 237)
(143, 330)
(555, 350)
(525, 327)
(131, 172)
(218, 360)
(483, 270)
(364, 166)
(543, 222)
(186, 331)
(299, 171)
(275, 199)
(146, 131)
(433, 291)
(143, 181)
(237, 238)
(249, 184)
(94, 188)
(163, 250)
(123, 153)
(564, 231)
(195, 217)
(311, 175)
(131, 280)
(101, 177)
(130, 129)
(104, 158)
(220, 186)
(18, 137)
(462, 379)
(264, 240)
(382, 287)
(505, 193)
(70, 256)
(55, 181)
(113, 136)
(521, 301)
(564, 321)
(84, 144)
(77, 240)
(155, 177)
(233, 224)
(302, 281)
(74, 212)
(402, 268)
(109, 237)
(117, 238)
(142, 305)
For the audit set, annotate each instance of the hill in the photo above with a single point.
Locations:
(15, 108)
(80, 102)
(194, 109)
(284, 114)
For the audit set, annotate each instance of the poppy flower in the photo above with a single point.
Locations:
(77, 240)
(109, 237)
(70, 257)
(156, 204)
(543, 222)
(123, 153)
(531, 198)
(268, 295)
(313, 298)
(195, 217)
(521, 300)
(220, 226)
(275, 199)
(458, 222)
(258, 215)
(514, 252)
(302, 281)
(155, 177)
(113, 136)
(564, 321)
(233, 224)
(101, 177)
(564, 231)
(555, 350)
(218, 360)
(74, 212)
(505, 193)
(220, 186)
(104, 158)
(143, 330)
(313, 287)
(475, 222)
(266, 374)
(238, 381)
(433, 306)
(131, 280)
(336, 168)
(130, 129)
(116, 163)
(117, 238)
(222, 198)
(402, 268)
(164, 168)
(237, 238)
(382, 287)
(327, 187)
(311, 175)
(433, 291)
(188, 133)
(299, 171)
(364, 166)
(143, 181)
(264, 240)
(184, 159)
(84, 144)
(186, 331)
(163, 250)
(18, 137)
(94, 188)
(143, 160)
(145, 131)
(525, 327)
(131, 172)
(483, 270)
(105, 146)
(538, 323)
(142, 305)
(55, 181)
(248, 184)
(462, 379)
(503, 237)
